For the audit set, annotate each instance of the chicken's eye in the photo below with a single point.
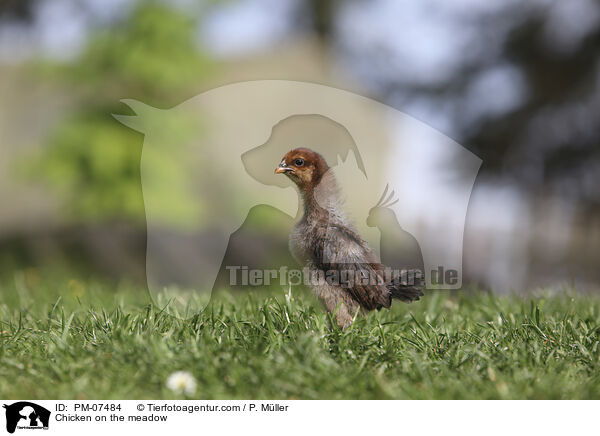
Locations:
(299, 162)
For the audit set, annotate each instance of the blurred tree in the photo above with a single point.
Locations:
(22, 10)
(548, 143)
(93, 161)
(320, 16)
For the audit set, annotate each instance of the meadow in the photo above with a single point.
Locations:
(84, 339)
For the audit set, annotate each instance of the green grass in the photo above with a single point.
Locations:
(98, 341)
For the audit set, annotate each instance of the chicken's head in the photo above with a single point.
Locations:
(303, 166)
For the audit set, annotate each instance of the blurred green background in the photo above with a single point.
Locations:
(517, 84)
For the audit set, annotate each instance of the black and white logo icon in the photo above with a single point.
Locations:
(25, 415)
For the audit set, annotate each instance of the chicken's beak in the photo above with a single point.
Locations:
(281, 169)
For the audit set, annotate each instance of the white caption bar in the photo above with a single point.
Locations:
(22, 417)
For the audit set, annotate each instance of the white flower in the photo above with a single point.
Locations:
(182, 382)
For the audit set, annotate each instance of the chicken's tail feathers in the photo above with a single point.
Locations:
(408, 294)
(408, 286)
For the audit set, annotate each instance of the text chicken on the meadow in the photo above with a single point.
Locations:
(327, 244)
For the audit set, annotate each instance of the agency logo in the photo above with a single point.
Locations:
(26, 416)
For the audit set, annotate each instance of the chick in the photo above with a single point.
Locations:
(344, 272)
